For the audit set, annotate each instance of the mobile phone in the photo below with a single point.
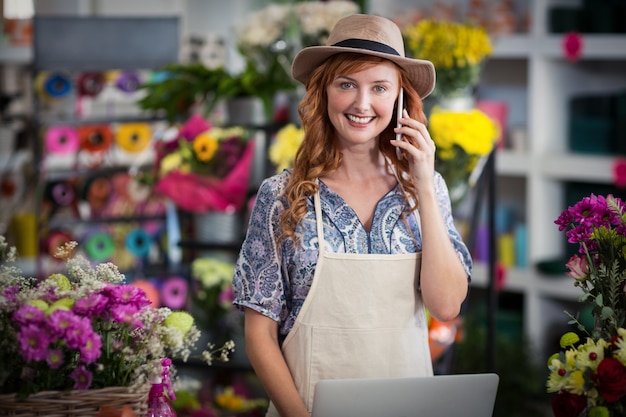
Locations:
(398, 116)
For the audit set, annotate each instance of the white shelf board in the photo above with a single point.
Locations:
(594, 46)
(578, 167)
(15, 55)
(516, 279)
(511, 46)
(512, 163)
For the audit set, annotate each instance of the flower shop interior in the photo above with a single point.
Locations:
(141, 130)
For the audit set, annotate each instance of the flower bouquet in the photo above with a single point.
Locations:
(283, 149)
(205, 168)
(589, 377)
(212, 292)
(464, 140)
(80, 331)
(455, 49)
(269, 39)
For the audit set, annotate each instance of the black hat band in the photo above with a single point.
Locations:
(367, 44)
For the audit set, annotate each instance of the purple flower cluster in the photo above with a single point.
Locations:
(66, 332)
(581, 220)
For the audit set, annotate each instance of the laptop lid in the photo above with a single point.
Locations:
(467, 395)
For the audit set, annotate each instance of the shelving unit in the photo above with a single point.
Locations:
(530, 71)
(534, 179)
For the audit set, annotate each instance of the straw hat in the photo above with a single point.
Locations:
(370, 35)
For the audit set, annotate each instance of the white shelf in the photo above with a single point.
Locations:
(512, 163)
(578, 167)
(594, 46)
(21, 55)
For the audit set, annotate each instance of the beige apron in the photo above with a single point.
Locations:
(362, 318)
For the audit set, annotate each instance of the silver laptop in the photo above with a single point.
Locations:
(467, 395)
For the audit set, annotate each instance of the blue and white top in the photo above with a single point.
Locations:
(276, 283)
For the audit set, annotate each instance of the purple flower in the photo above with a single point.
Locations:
(127, 294)
(90, 350)
(33, 341)
(55, 358)
(82, 378)
(92, 305)
(78, 332)
(10, 293)
(28, 314)
(123, 313)
(60, 322)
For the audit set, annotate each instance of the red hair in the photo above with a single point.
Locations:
(319, 154)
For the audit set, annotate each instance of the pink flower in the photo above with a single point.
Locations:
(572, 46)
(578, 267)
(78, 332)
(194, 126)
(92, 305)
(619, 172)
(33, 342)
(82, 378)
(90, 351)
(123, 313)
(28, 314)
(55, 358)
(10, 294)
(61, 321)
(127, 294)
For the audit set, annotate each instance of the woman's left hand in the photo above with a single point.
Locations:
(417, 147)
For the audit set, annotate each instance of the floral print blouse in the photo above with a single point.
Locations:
(276, 283)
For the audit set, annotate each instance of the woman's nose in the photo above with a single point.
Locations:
(362, 101)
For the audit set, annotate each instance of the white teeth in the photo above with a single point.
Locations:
(363, 120)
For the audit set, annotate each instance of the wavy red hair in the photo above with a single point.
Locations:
(319, 154)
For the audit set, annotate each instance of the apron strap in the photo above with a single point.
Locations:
(318, 221)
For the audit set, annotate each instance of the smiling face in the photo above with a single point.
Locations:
(361, 104)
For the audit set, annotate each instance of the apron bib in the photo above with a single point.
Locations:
(363, 318)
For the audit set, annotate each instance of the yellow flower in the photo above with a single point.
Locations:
(569, 339)
(455, 49)
(62, 304)
(61, 281)
(205, 146)
(283, 151)
(228, 400)
(170, 162)
(180, 320)
(472, 130)
(575, 382)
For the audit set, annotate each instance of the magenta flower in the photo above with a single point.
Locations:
(90, 351)
(78, 332)
(33, 341)
(127, 294)
(55, 358)
(123, 313)
(578, 267)
(60, 322)
(92, 305)
(10, 294)
(28, 314)
(81, 377)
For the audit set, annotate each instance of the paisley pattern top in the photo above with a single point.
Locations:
(275, 283)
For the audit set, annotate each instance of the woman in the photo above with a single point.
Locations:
(344, 251)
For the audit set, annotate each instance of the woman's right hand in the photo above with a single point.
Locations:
(269, 364)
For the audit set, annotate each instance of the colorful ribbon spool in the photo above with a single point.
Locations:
(95, 138)
(61, 140)
(174, 293)
(90, 84)
(138, 242)
(128, 81)
(97, 192)
(133, 137)
(99, 246)
(55, 240)
(152, 292)
(53, 85)
(61, 193)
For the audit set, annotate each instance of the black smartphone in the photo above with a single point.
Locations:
(398, 116)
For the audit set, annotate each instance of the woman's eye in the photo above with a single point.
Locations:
(380, 89)
(346, 85)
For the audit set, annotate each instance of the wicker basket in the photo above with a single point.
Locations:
(74, 403)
